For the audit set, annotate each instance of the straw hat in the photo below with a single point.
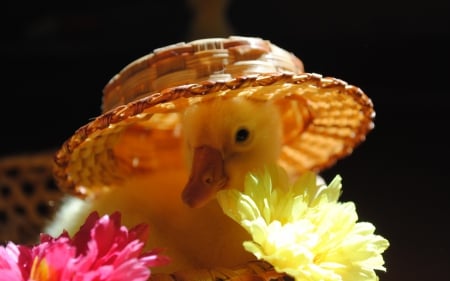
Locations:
(324, 118)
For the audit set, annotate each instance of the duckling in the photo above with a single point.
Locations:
(222, 139)
(222, 147)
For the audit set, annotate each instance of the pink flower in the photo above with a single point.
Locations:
(102, 250)
(15, 262)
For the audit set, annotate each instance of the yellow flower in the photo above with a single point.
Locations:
(302, 229)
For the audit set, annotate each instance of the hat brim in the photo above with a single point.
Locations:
(338, 117)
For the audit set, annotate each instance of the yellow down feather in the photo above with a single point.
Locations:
(192, 237)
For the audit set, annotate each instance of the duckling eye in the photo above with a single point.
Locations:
(242, 135)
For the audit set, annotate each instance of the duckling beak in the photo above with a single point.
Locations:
(206, 178)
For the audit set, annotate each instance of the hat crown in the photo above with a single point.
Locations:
(211, 59)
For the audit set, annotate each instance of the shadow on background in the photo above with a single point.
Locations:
(57, 57)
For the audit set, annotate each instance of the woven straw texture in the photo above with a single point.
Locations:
(28, 196)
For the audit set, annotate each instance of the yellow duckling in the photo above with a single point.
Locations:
(220, 149)
(191, 119)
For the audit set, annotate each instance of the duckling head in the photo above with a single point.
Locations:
(223, 140)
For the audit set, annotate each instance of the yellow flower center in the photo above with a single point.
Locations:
(319, 258)
(41, 271)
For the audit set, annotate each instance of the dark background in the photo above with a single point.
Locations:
(57, 56)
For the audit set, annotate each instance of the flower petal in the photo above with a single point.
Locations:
(302, 229)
